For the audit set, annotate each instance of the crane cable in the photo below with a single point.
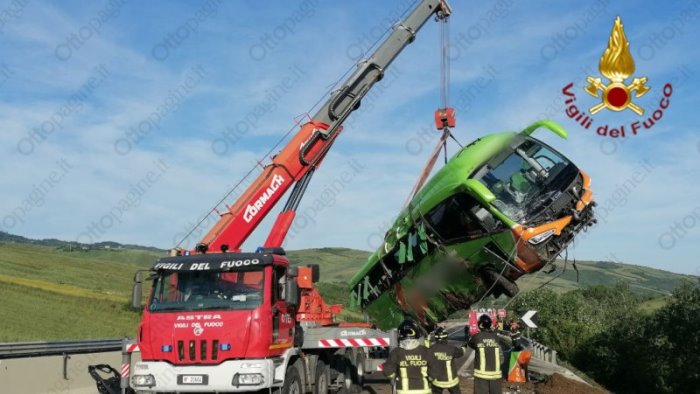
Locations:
(445, 61)
(441, 145)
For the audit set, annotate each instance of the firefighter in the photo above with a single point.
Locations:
(442, 369)
(488, 356)
(407, 364)
(515, 335)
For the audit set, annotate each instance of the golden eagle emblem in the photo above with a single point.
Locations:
(617, 64)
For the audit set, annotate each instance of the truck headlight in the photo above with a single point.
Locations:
(539, 238)
(143, 380)
(247, 379)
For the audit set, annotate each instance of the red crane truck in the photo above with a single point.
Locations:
(221, 320)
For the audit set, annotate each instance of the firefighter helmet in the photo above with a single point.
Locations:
(485, 322)
(440, 334)
(408, 330)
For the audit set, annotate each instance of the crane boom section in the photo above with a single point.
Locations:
(306, 150)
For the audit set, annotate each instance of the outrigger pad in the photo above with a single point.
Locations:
(109, 384)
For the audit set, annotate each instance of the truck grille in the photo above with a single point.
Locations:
(197, 351)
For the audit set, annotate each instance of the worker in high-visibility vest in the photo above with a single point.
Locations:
(515, 335)
(442, 369)
(487, 359)
(408, 363)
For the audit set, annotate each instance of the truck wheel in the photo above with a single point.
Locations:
(292, 382)
(360, 369)
(323, 377)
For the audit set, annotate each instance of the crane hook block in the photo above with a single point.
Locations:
(444, 117)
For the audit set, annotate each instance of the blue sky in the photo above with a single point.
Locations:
(117, 112)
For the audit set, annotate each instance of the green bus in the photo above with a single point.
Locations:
(503, 206)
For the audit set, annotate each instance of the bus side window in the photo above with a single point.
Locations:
(454, 221)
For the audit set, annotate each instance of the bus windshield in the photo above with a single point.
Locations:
(207, 290)
(527, 180)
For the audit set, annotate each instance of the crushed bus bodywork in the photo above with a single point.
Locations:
(504, 206)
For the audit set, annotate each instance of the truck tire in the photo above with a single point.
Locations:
(292, 381)
(322, 377)
(360, 369)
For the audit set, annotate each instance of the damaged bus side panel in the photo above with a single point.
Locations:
(504, 206)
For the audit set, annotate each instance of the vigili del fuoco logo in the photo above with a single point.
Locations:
(616, 65)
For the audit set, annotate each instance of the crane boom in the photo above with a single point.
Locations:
(296, 162)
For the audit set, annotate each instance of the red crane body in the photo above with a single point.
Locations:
(218, 318)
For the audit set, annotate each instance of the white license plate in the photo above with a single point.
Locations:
(193, 379)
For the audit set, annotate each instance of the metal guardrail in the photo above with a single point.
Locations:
(38, 349)
(543, 352)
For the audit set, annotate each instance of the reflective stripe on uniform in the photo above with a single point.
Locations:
(404, 380)
(446, 385)
(482, 372)
(487, 375)
(413, 391)
(450, 380)
(424, 372)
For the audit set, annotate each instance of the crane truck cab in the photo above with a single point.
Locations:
(502, 207)
(221, 321)
(240, 322)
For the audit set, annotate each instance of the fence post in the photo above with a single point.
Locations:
(554, 357)
(125, 367)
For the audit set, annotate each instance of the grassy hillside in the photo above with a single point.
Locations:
(644, 280)
(54, 290)
(336, 264)
(49, 293)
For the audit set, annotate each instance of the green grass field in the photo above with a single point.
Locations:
(643, 280)
(50, 293)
